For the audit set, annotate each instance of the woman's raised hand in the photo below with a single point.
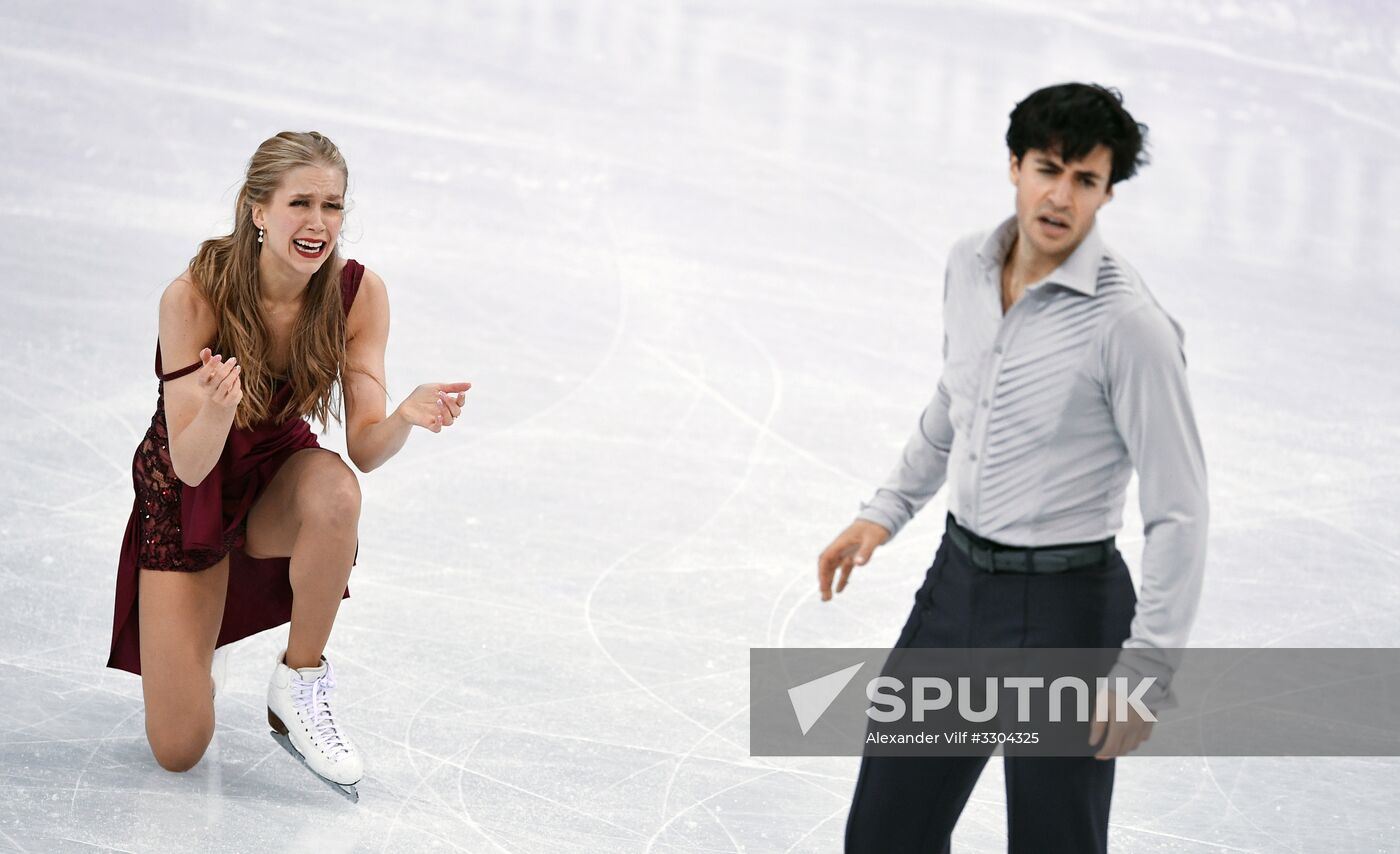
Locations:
(219, 380)
(434, 405)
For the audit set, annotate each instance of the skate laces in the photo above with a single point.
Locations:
(312, 698)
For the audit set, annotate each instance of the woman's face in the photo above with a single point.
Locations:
(301, 222)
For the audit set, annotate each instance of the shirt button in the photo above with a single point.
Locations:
(997, 349)
(972, 456)
(984, 403)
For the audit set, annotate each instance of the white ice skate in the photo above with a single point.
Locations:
(299, 712)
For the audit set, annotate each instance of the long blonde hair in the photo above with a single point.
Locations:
(225, 271)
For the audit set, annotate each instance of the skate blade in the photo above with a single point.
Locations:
(350, 793)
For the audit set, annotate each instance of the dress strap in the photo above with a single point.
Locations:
(350, 282)
(176, 374)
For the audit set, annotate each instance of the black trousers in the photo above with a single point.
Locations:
(1053, 804)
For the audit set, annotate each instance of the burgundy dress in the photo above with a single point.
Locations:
(184, 528)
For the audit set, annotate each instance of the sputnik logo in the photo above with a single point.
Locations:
(810, 700)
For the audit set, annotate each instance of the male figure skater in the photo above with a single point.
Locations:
(1061, 375)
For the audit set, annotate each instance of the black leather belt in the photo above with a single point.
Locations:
(990, 556)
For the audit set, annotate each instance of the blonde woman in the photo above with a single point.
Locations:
(241, 521)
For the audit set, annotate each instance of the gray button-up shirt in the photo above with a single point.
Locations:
(1041, 416)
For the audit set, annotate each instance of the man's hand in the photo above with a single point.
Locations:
(851, 549)
(1119, 737)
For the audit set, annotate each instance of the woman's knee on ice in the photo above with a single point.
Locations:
(180, 748)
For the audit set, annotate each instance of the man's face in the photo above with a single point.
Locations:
(1056, 201)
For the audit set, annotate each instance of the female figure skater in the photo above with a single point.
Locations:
(241, 521)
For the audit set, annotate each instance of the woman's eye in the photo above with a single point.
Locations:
(296, 202)
(335, 207)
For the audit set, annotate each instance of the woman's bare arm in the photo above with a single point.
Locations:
(198, 412)
(371, 436)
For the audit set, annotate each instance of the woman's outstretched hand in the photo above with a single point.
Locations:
(434, 405)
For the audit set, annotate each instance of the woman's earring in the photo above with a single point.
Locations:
(260, 232)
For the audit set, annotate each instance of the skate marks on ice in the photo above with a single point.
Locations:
(692, 259)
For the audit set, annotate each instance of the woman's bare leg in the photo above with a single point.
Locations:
(180, 615)
(310, 512)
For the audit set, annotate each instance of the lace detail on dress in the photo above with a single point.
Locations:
(158, 502)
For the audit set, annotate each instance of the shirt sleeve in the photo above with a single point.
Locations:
(1145, 369)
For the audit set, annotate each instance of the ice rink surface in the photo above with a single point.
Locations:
(691, 257)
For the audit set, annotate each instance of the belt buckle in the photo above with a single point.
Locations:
(986, 555)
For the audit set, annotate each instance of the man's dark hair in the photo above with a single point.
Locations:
(1071, 119)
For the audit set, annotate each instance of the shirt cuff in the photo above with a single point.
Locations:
(875, 511)
(1135, 664)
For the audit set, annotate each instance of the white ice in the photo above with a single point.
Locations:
(691, 257)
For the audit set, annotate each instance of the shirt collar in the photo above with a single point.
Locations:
(1080, 271)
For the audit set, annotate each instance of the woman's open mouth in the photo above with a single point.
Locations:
(309, 248)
